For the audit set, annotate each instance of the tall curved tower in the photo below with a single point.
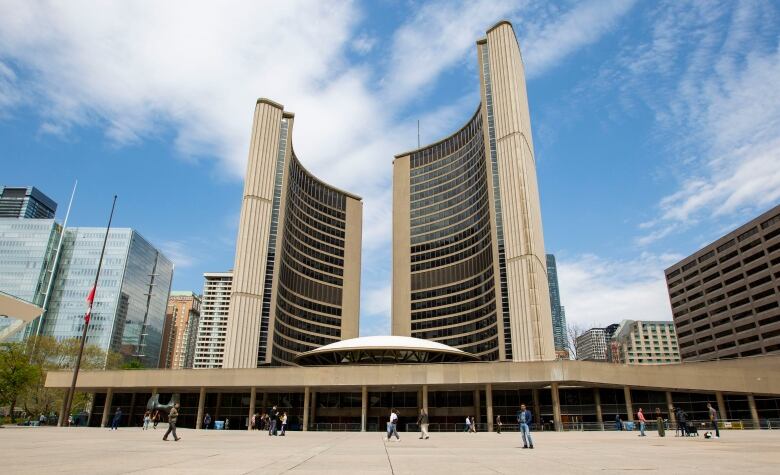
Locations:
(296, 278)
(469, 266)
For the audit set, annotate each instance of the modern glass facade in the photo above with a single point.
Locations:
(558, 313)
(132, 292)
(27, 248)
(453, 298)
(27, 202)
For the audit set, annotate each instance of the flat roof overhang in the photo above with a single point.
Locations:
(758, 375)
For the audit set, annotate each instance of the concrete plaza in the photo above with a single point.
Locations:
(131, 450)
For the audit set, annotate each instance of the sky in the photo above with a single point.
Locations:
(656, 124)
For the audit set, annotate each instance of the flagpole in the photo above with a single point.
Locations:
(90, 300)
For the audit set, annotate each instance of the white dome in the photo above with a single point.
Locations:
(383, 350)
(388, 342)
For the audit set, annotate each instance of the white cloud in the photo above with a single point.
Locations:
(600, 291)
(179, 253)
(546, 44)
(364, 43)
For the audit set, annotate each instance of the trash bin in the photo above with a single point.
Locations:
(219, 425)
(629, 426)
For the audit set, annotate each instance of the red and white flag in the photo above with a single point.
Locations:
(90, 301)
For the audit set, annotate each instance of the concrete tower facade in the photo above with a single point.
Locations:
(296, 278)
(469, 268)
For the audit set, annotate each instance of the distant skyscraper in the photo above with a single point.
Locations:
(558, 312)
(27, 202)
(726, 296)
(131, 296)
(27, 248)
(212, 325)
(592, 345)
(296, 278)
(468, 252)
(645, 342)
(181, 330)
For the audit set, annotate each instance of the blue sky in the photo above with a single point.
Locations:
(656, 124)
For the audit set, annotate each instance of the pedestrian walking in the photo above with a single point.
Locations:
(682, 422)
(468, 424)
(206, 421)
(227, 424)
(660, 421)
(70, 421)
(117, 418)
(147, 419)
(618, 422)
(524, 418)
(273, 416)
(473, 425)
(498, 423)
(172, 416)
(284, 423)
(392, 425)
(641, 417)
(714, 419)
(422, 421)
(155, 419)
(252, 422)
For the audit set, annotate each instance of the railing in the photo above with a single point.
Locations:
(650, 426)
(334, 427)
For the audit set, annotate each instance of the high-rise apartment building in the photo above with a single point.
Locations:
(558, 312)
(27, 248)
(296, 279)
(25, 202)
(469, 268)
(212, 325)
(592, 345)
(645, 342)
(181, 330)
(726, 296)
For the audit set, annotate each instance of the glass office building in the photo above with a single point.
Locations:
(131, 298)
(25, 202)
(26, 251)
(558, 312)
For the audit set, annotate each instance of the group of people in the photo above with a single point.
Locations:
(683, 428)
(274, 422)
(152, 418)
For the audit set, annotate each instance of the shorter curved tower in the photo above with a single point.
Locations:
(296, 278)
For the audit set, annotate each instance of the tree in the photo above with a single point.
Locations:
(17, 374)
(574, 331)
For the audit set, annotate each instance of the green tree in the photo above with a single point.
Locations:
(17, 374)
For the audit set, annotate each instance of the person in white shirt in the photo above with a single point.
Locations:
(468, 424)
(392, 426)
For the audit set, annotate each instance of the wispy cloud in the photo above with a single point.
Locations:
(597, 290)
(179, 253)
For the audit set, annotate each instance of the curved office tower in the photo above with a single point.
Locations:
(296, 278)
(469, 266)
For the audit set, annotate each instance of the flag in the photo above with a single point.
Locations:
(90, 301)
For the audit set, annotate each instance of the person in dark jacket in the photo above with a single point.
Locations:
(682, 422)
(117, 418)
(618, 422)
(172, 416)
(273, 416)
(524, 419)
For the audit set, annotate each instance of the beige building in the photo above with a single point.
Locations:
(469, 268)
(725, 297)
(645, 342)
(212, 326)
(296, 279)
(181, 330)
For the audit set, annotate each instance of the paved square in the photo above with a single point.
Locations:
(100, 451)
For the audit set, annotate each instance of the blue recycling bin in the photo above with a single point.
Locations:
(629, 426)
(219, 425)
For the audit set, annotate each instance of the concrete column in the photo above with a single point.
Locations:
(265, 402)
(754, 411)
(489, 406)
(537, 406)
(556, 400)
(670, 408)
(130, 411)
(629, 404)
(721, 405)
(425, 398)
(216, 409)
(363, 408)
(252, 401)
(306, 397)
(107, 407)
(313, 413)
(597, 400)
(476, 406)
(201, 408)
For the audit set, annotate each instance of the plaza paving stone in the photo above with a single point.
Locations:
(130, 450)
